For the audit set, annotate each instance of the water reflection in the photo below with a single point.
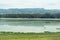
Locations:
(29, 26)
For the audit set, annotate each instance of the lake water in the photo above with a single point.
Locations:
(30, 26)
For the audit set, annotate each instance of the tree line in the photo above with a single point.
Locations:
(46, 15)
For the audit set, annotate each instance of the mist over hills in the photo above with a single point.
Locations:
(28, 11)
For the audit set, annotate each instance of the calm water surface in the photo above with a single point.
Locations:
(29, 26)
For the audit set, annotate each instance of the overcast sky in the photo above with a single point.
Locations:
(47, 4)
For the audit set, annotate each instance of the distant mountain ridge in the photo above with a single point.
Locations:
(28, 11)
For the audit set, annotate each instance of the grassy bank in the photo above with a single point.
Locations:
(29, 36)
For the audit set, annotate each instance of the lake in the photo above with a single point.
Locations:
(15, 25)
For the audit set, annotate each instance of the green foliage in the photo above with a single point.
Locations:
(30, 15)
(29, 36)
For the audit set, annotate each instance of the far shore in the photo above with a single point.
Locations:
(34, 19)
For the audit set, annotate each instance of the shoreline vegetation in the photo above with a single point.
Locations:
(37, 15)
(45, 32)
(29, 36)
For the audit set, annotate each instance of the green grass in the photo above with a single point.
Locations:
(29, 36)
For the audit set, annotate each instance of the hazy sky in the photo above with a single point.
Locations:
(48, 4)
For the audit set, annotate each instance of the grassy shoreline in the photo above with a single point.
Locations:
(29, 36)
